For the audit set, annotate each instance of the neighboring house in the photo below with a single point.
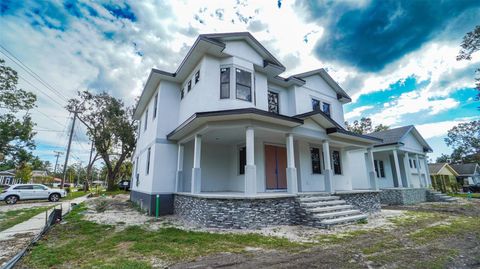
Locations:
(468, 173)
(39, 176)
(7, 177)
(443, 177)
(225, 141)
(400, 162)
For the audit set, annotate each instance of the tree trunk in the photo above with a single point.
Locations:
(111, 181)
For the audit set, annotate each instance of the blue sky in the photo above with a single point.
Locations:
(395, 58)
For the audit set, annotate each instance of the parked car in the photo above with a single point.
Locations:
(472, 188)
(31, 192)
(124, 185)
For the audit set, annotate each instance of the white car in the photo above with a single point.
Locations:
(30, 192)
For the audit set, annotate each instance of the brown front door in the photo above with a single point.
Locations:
(275, 167)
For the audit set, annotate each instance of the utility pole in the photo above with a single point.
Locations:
(58, 153)
(68, 149)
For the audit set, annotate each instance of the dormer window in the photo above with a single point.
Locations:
(244, 85)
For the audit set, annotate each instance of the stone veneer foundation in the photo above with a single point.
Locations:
(365, 201)
(403, 196)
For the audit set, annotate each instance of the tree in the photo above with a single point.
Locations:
(24, 172)
(471, 44)
(465, 141)
(364, 126)
(444, 158)
(111, 127)
(16, 126)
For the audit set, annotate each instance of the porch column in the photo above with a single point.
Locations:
(397, 169)
(371, 167)
(179, 178)
(327, 167)
(250, 168)
(408, 172)
(196, 170)
(291, 170)
(422, 184)
(428, 179)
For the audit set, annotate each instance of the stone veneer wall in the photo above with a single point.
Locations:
(237, 213)
(367, 202)
(403, 196)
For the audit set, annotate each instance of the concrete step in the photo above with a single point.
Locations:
(336, 214)
(318, 199)
(325, 203)
(313, 194)
(348, 219)
(329, 208)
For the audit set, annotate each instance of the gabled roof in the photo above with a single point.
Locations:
(466, 168)
(395, 136)
(341, 94)
(435, 168)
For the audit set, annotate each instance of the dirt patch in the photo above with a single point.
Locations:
(462, 207)
(11, 246)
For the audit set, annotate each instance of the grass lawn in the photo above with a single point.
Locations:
(464, 195)
(83, 244)
(11, 218)
(76, 194)
(418, 239)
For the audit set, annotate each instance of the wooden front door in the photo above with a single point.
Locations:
(276, 167)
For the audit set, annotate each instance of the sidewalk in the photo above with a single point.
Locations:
(17, 237)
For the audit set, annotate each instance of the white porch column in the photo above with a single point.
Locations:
(250, 168)
(291, 170)
(328, 167)
(408, 172)
(179, 178)
(422, 184)
(196, 170)
(371, 167)
(427, 173)
(397, 169)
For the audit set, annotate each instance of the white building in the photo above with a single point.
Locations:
(227, 127)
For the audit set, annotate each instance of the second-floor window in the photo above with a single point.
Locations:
(182, 93)
(148, 162)
(315, 104)
(326, 108)
(189, 85)
(244, 85)
(197, 77)
(273, 102)
(155, 106)
(146, 120)
(225, 83)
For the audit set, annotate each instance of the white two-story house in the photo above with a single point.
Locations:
(226, 141)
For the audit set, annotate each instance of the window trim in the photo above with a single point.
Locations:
(237, 83)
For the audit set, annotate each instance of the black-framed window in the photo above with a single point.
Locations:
(189, 85)
(337, 166)
(244, 84)
(197, 77)
(273, 102)
(137, 176)
(242, 160)
(379, 168)
(415, 163)
(410, 162)
(148, 161)
(316, 161)
(326, 108)
(146, 120)
(224, 83)
(182, 93)
(155, 106)
(315, 104)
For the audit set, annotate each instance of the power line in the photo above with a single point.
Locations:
(48, 96)
(31, 72)
(56, 121)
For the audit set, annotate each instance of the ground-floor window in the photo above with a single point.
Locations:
(379, 168)
(242, 160)
(337, 167)
(316, 162)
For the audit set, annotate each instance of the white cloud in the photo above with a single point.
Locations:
(438, 129)
(357, 112)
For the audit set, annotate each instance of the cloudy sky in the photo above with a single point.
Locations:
(397, 59)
